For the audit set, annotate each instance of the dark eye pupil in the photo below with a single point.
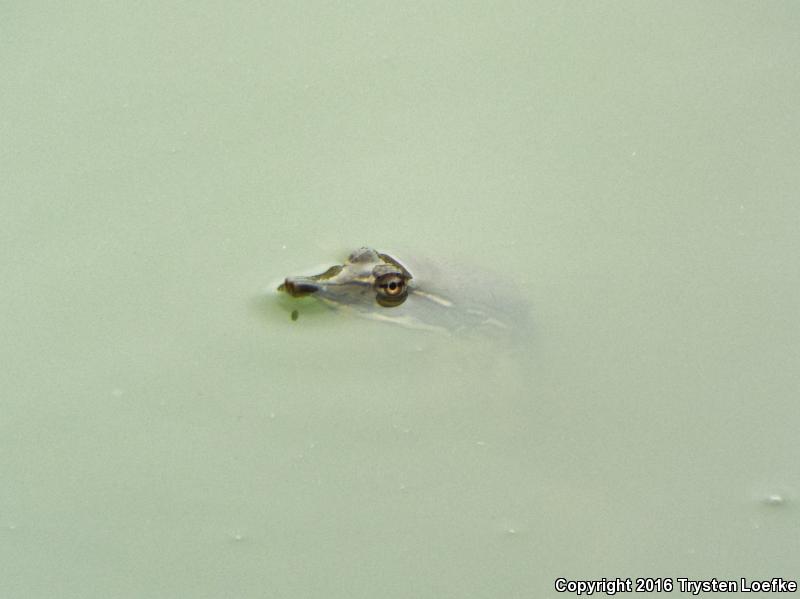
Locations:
(392, 285)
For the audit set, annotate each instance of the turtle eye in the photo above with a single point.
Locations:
(391, 290)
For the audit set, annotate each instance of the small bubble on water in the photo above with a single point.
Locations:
(775, 499)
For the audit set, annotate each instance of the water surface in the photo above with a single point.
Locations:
(169, 433)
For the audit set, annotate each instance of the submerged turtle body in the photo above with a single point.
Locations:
(377, 286)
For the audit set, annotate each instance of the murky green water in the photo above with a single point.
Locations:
(624, 175)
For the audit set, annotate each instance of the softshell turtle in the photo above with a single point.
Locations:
(378, 286)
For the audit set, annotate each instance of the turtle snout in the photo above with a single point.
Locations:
(298, 287)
